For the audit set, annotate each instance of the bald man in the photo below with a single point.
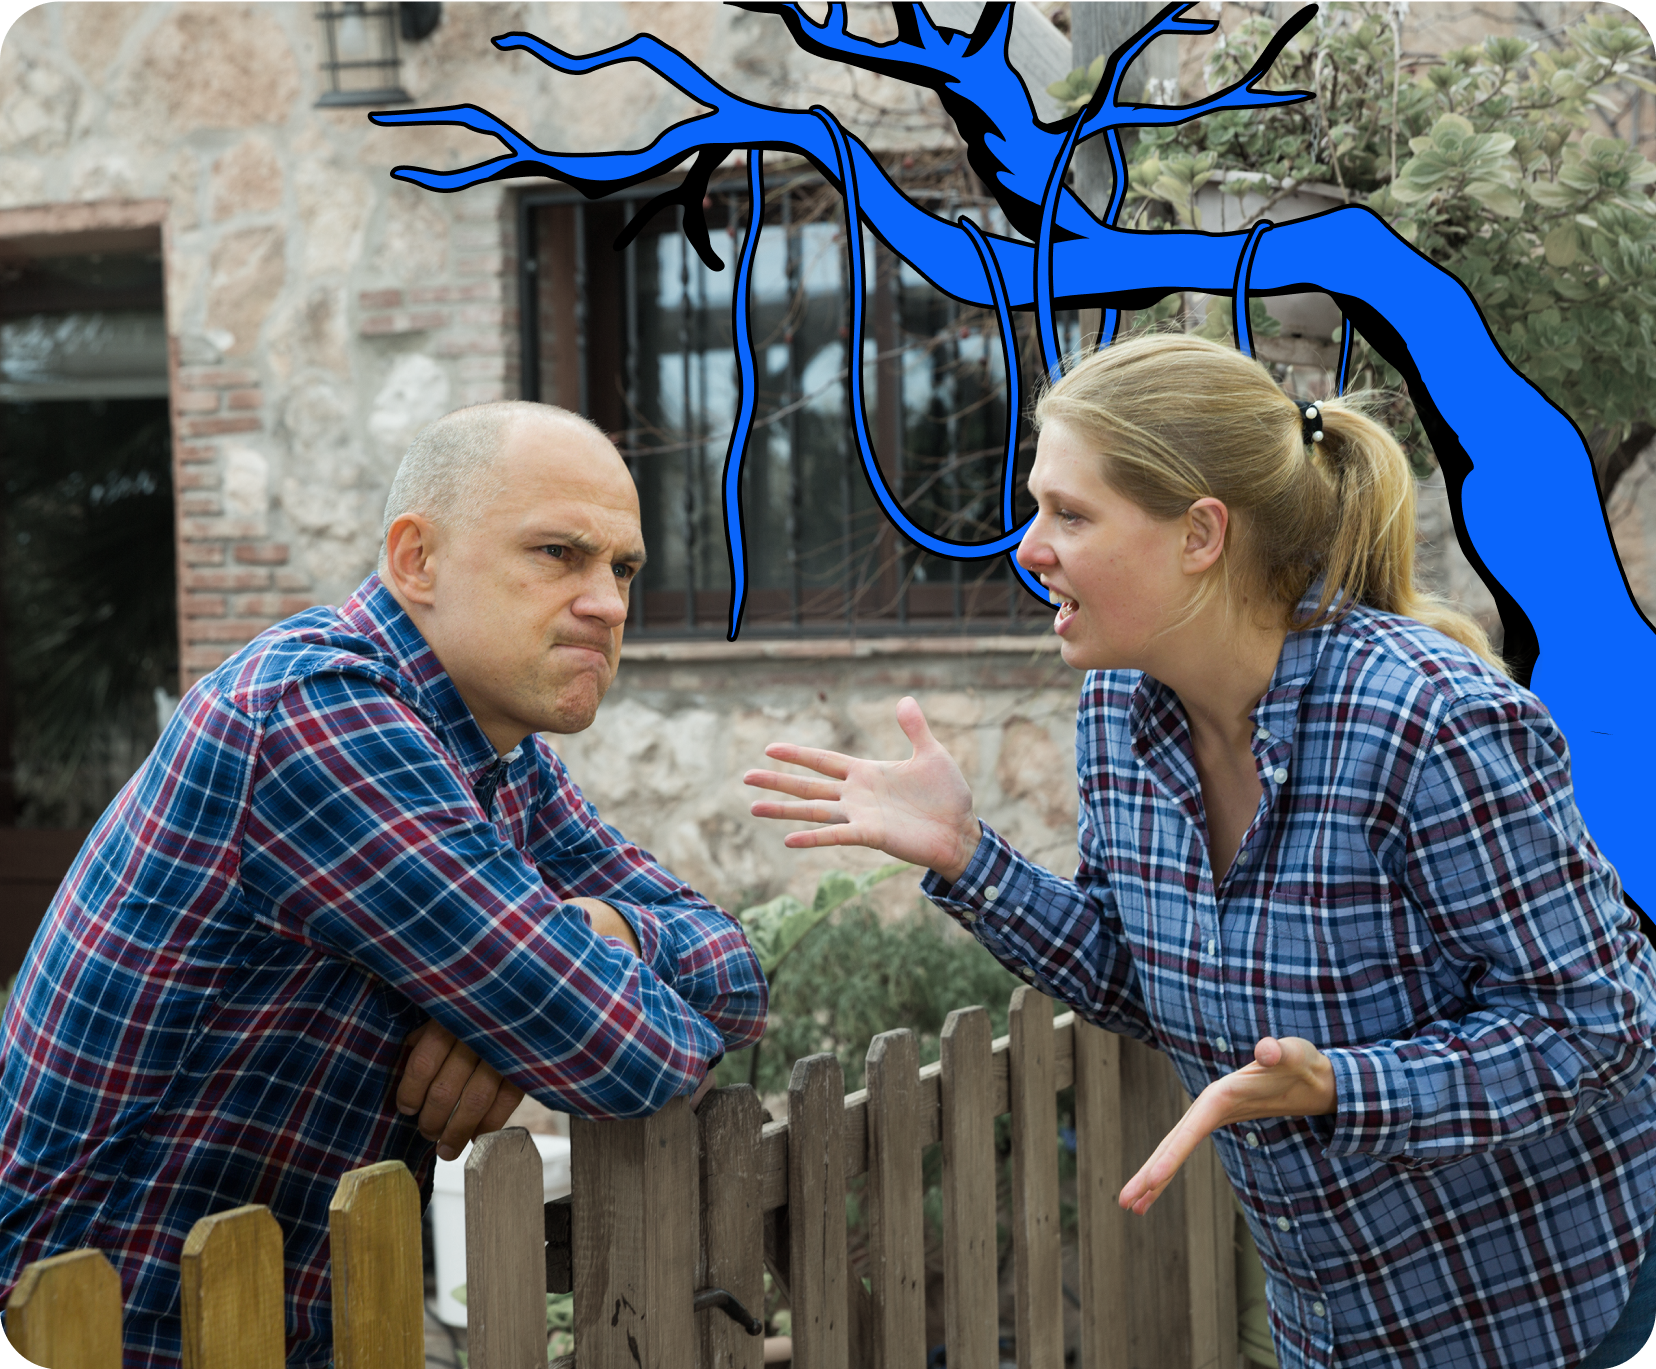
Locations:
(352, 905)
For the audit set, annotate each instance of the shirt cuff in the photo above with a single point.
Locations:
(1374, 1105)
(976, 886)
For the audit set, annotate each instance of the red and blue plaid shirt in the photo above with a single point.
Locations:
(323, 851)
(1417, 896)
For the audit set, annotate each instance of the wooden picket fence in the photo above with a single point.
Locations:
(674, 1219)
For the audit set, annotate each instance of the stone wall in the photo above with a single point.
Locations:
(683, 721)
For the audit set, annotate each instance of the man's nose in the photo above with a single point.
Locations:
(603, 597)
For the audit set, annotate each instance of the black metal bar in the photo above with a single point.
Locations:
(629, 268)
(528, 299)
(581, 306)
(687, 457)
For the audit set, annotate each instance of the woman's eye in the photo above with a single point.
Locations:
(1066, 516)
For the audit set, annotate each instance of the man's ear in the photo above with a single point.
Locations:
(1206, 522)
(410, 547)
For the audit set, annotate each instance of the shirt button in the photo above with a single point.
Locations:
(1317, 1309)
(1279, 774)
(991, 893)
(1253, 1139)
(1220, 1044)
(1264, 734)
(1213, 946)
(1283, 1223)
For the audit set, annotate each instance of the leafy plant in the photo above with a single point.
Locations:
(1485, 160)
(839, 976)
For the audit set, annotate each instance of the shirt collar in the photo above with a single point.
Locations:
(1156, 712)
(374, 611)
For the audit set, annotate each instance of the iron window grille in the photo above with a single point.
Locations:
(360, 63)
(640, 342)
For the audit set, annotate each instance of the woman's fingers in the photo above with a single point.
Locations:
(797, 812)
(829, 763)
(800, 786)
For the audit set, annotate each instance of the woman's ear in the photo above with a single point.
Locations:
(1206, 523)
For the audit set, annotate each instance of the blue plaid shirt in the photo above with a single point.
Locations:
(1416, 896)
(322, 852)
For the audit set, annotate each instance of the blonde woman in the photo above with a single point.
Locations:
(1330, 863)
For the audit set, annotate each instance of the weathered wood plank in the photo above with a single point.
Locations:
(1035, 1234)
(733, 1252)
(65, 1312)
(816, 1214)
(378, 1282)
(231, 1304)
(1210, 1213)
(970, 1301)
(1158, 1255)
(896, 1223)
(1102, 1234)
(635, 1186)
(505, 1252)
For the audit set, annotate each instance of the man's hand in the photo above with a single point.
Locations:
(606, 921)
(456, 1094)
(1289, 1078)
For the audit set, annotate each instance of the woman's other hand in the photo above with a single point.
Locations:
(918, 810)
(1289, 1077)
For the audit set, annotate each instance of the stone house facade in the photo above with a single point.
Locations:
(318, 312)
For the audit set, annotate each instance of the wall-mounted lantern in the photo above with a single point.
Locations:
(359, 49)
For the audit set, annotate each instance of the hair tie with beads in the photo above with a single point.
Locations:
(1310, 421)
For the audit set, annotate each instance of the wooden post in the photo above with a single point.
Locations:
(896, 1222)
(1158, 1256)
(374, 1242)
(634, 1184)
(505, 1253)
(1098, 1180)
(232, 1291)
(816, 1214)
(65, 1312)
(1209, 1216)
(1035, 1234)
(971, 1301)
(733, 1236)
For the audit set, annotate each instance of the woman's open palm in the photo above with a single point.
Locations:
(918, 810)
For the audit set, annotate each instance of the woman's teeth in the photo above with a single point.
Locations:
(1066, 607)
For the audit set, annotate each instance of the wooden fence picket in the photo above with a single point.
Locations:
(816, 1214)
(505, 1252)
(971, 1300)
(636, 1202)
(896, 1222)
(1101, 1237)
(65, 1312)
(231, 1297)
(732, 1253)
(1035, 1234)
(378, 1281)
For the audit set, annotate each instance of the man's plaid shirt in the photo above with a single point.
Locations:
(323, 851)
(1417, 896)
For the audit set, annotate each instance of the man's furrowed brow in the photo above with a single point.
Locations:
(588, 546)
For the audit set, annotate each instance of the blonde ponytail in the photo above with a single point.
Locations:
(1180, 418)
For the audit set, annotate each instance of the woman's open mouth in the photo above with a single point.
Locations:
(1066, 610)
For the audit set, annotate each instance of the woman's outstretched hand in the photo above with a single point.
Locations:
(918, 810)
(1289, 1077)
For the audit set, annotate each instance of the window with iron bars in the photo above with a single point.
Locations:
(640, 341)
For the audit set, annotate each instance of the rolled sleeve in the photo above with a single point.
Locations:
(364, 840)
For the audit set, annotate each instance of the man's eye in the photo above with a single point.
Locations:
(556, 553)
(625, 572)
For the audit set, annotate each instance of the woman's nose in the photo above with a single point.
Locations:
(1034, 550)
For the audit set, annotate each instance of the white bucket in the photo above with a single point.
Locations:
(448, 1217)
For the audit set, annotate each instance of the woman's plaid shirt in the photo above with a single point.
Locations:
(322, 851)
(1416, 896)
